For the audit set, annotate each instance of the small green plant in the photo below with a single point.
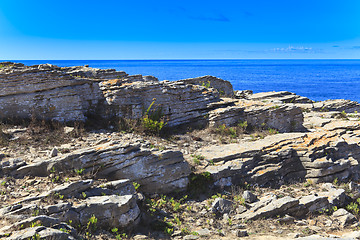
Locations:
(243, 125)
(35, 212)
(336, 181)
(168, 230)
(79, 171)
(353, 207)
(185, 231)
(91, 224)
(239, 199)
(55, 179)
(3, 183)
(308, 183)
(35, 224)
(136, 185)
(197, 158)
(218, 195)
(84, 195)
(153, 120)
(36, 237)
(343, 114)
(273, 131)
(230, 221)
(334, 208)
(177, 220)
(206, 85)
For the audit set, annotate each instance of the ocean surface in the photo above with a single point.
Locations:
(315, 79)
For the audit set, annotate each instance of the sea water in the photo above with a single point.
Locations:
(315, 79)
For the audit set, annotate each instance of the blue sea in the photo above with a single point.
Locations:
(315, 79)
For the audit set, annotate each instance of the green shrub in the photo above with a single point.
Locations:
(153, 119)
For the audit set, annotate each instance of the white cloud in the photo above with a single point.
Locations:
(300, 49)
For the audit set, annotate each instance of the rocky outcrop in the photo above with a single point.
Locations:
(224, 87)
(49, 92)
(178, 103)
(73, 93)
(284, 118)
(337, 105)
(155, 171)
(110, 205)
(278, 97)
(331, 152)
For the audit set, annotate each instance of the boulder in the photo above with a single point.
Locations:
(344, 217)
(222, 206)
(155, 171)
(274, 208)
(249, 197)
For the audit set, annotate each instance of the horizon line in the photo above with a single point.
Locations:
(178, 59)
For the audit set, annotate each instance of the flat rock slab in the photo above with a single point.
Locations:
(155, 171)
(274, 208)
(246, 148)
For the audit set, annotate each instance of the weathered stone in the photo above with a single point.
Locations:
(180, 103)
(222, 206)
(241, 233)
(243, 94)
(41, 233)
(47, 93)
(274, 208)
(337, 105)
(42, 219)
(190, 237)
(9, 165)
(121, 187)
(286, 220)
(72, 189)
(332, 152)
(224, 87)
(204, 232)
(249, 197)
(53, 152)
(282, 97)
(155, 171)
(344, 217)
(336, 197)
(57, 208)
(111, 211)
(314, 202)
(284, 118)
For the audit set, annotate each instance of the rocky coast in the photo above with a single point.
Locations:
(99, 154)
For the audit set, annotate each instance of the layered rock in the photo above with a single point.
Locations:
(331, 152)
(110, 205)
(179, 103)
(284, 118)
(50, 92)
(279, 97)
(224, 87)
(155, 171)
(72, 93)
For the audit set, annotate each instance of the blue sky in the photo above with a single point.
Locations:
(179, 29)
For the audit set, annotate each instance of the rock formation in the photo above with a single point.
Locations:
(241, 163)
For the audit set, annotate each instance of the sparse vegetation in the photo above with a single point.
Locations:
(153, 121)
